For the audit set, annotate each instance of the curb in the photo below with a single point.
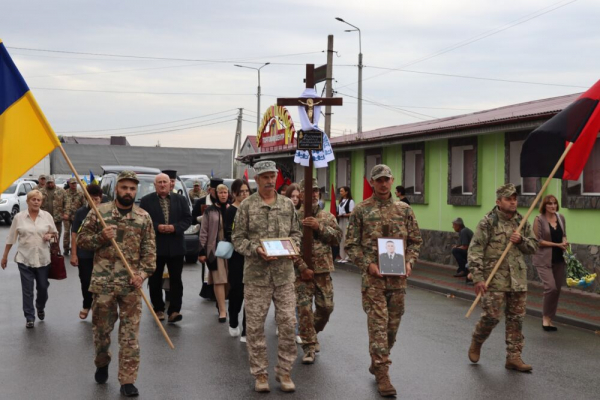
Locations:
(469, 295)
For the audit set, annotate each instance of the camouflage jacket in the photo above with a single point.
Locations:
(73, 202)
(135, 236)
(196, 195)
(257, 220)
(329, 234)
(375, 218)
(58, 202)
(489, 241)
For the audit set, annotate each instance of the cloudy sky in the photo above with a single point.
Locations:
(135, 68)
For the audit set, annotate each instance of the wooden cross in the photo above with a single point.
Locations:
(309, 104)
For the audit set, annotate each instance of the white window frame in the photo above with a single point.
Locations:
(410, 180)
(517, 162)
(460, 151)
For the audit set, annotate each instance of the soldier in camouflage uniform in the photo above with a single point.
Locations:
(111, 285)
(197, 192)
(508, 287)
(382, 296)
(53, 201)
(41, 184)
(264, 215)
(74, 199)
(316, 283)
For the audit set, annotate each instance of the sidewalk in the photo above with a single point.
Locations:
(575, 307)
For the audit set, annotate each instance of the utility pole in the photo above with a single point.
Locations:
(237, 142)
(328, 84)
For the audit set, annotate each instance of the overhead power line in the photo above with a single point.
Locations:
(516, 22)
(152, 93)
(156, 124)
(236, 60)
(476, 77)
(174, 130)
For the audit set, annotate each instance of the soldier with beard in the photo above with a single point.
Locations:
(315, 284)
(54, 202)
(115, 293)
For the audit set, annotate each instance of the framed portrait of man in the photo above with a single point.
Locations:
(279, 247)
(391, 256)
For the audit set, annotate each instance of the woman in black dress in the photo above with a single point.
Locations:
(240, 190)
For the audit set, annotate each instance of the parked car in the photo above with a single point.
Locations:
(188, 180)
(146, 186)
(14, 199)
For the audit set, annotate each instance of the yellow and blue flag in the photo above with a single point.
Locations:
(25, 135)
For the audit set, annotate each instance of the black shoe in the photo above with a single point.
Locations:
(549, 328)
(66, 252)
(222, 320)
(460, 274)
(128, 390)
(101, 374)
(41, 315)
(29, 325)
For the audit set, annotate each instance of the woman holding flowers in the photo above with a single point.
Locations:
(550, 229)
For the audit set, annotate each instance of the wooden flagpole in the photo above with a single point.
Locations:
(116, 246)
(521, 225)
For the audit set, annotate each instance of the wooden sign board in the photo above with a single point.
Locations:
(310, 140)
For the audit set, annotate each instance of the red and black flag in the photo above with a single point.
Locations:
(579, 124)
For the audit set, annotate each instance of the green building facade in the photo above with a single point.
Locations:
(451, 168)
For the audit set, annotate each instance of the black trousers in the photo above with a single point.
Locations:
(461, 258)
(175, 265)
(236, 291)
(86, 265)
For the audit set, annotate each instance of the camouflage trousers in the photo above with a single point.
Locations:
(258, 300)
(67, 236)
(104, 316)
(492, 303)
(384, 310)
(310, 323)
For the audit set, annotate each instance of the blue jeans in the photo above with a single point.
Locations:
(28, 276)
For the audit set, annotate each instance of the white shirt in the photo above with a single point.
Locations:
(342, 207)
(32, 250)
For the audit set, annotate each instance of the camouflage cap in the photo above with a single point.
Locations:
(42, 177)
(506, 190)
(49, 178)
(196, 182)
(265, 166)
(315, 184)
(128, 175)
(381, 170)
(73, 180)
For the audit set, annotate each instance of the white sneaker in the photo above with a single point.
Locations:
(234, 332)
(276, 331)
(243, 339)
(298, 339)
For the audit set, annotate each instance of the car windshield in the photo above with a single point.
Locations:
(146, 186)
(11, 189)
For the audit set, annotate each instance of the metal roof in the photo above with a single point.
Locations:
(537, 109)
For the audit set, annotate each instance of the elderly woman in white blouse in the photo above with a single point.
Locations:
(33, 228)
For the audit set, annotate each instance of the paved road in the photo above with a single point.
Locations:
(55, 360)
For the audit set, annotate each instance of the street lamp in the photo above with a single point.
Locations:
(360, 67)
(258, 93)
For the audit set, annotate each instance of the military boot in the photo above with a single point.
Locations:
(287, 385)
(474, 351)
(384, 386)
(262, 384)
(309, 357)
(517, 364)
(372, 368)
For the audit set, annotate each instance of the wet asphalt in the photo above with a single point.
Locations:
(55, 360)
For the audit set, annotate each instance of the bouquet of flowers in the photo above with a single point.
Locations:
(577, 276)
